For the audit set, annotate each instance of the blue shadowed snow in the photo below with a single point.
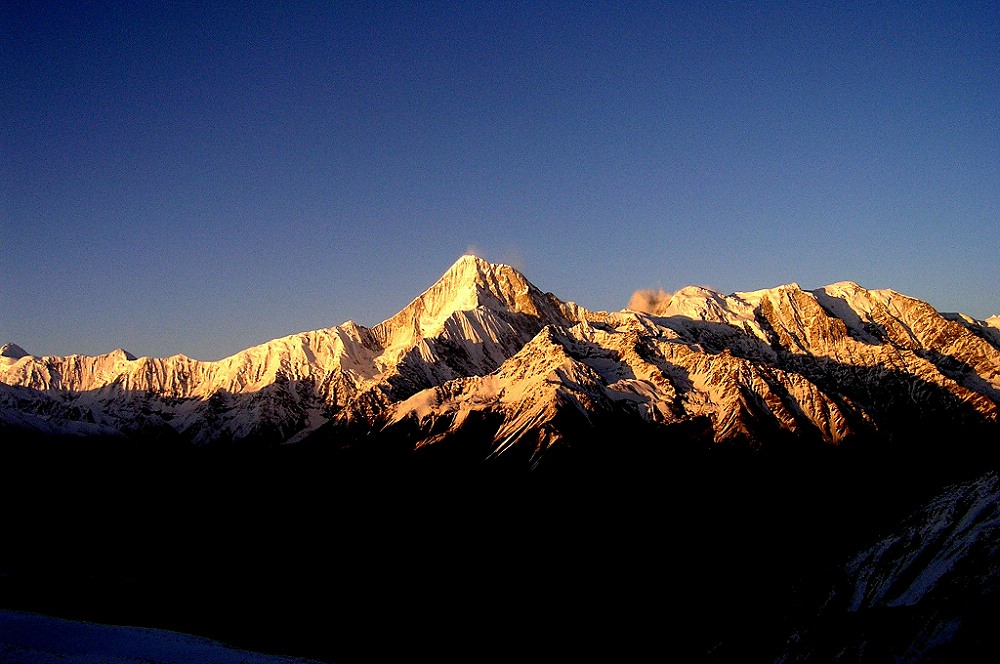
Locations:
(27, 638)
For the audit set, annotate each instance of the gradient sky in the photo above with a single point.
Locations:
(198, 178)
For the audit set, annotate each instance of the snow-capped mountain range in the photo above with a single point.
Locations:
(484, 347)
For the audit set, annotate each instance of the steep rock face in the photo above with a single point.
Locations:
(926, 592)
(484, 345)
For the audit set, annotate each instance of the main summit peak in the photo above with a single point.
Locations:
(473, 282)
(470, 283)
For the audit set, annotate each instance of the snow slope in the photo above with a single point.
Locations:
(27, 638)
(925, 592)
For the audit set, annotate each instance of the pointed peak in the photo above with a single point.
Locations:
(351, 326)
(470, 283)
(467, 259)
(467, 263)
(121, 354)
(470, 266)
(128, 356)
(477, 281)
(13, 351)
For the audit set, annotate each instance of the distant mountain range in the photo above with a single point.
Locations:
(484, 349)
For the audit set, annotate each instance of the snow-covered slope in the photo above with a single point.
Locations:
(28, 638)
(926, 592)
(822, 365)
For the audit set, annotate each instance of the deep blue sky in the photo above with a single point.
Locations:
(202, 177)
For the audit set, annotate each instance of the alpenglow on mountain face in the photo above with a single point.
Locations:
(485, 351)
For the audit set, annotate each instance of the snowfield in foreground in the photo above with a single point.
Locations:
(27, 638)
